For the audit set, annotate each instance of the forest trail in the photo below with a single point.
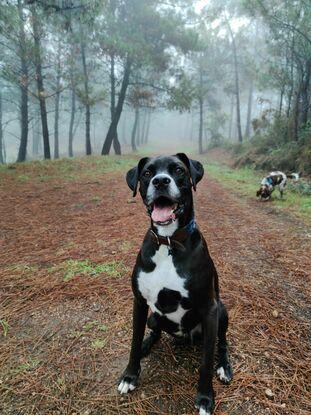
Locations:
(67, 250)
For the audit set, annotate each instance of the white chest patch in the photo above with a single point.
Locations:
(163, 276)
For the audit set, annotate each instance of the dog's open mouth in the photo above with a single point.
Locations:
(163, 210)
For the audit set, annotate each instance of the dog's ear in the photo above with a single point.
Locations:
(132, 176)
(195, 168)
(258, 193)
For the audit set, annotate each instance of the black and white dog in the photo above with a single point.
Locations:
(174, 274)
(275, 178)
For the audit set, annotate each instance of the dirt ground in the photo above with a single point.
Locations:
(66, 252)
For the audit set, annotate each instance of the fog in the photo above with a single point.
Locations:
(85, 77)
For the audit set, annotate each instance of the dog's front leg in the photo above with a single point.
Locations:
(205, 397)
(130, 376)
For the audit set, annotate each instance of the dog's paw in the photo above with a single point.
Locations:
(204, 404)
(127, 382)
(225, 373)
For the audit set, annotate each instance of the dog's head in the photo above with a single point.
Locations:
(165, 184)
(264, 193)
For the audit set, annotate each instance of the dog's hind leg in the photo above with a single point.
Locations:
(153, 337)
(224, 370)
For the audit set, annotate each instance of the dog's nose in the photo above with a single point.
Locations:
(159, 182)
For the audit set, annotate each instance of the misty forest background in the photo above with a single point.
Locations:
(101, 77)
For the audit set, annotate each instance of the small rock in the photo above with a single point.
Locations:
(143, 395)
(275, 313)
(283, 405)
(267, 354)
(269, 393)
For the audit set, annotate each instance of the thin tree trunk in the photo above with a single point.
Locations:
(143, 127)
(249, 110)
(305, 93)
(281, 101)
(237, 84)
(291, 90)
(116, 142)
(36, 132)
(138, 130)
(40, 85)
(22, 152)
(231, 117)
(146, 138)
(57, 99)
(201, 125)
(1, 131)
(73, 106)
(134, 130)
(296, 114)
(114, 123)
(88, 147)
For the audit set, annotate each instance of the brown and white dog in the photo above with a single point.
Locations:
(275, 178)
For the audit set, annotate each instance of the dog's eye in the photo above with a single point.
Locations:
(179, 170)
(147, 173)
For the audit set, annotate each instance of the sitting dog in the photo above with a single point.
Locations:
(174, 274)
(275, 178)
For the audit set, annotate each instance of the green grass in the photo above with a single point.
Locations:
(79, 168)
(73, 267)
(246, 182)
(4, 325)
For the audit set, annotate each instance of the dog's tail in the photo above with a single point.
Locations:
(294, 176)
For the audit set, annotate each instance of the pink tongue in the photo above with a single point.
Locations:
(162, 214)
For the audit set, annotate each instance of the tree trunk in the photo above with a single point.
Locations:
(201, 126)
(40, 86)
(138, 130)
(249, 110)
(36, 132)
(73, 106)
(231, 117)
(116, 143)
(57, 99)
(114, 123)
(146, 137)
(88, 147)
(134, 130)
(296, 115)
(237, 84)
(305, 93)
(22, 152)
(1, 131)
(281, 101)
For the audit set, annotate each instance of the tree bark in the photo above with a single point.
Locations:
(146, 137)
(57, 99)
(40, 84)
(201, 125)
(116, 143)
(114, 123)
(237, 84)
(249, 110)
(231, 117)
(73, 106)
(1, 131)
(134, 130)
(88, 147)
(305, 93)
(23, 86)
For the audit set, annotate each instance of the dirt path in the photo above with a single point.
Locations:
(69, 320)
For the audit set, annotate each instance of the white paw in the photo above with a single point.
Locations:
(204, 412)
(125, 387)
(222, 375)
